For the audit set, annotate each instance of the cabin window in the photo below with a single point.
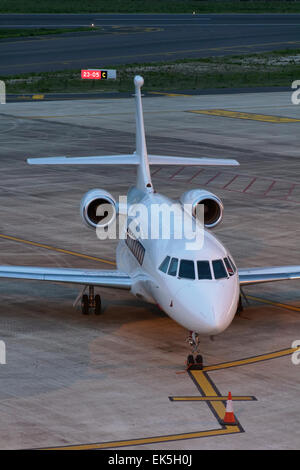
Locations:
(219, 269)
(204, 271)
(135, 247)
(164, 265)
(187, 269)
(173, 267)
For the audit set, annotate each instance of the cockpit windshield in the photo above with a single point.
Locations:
(229, 267)
(219, 269)
(187, 269)
(173, 267)
(202, 270)
(164, 265)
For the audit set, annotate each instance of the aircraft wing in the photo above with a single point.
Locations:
(268, 274)
(95, 277)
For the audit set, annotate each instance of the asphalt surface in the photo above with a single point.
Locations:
(25, 97)
(141, 38)
(73, 379)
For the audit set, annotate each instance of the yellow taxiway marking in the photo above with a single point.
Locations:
(169, 94)
(218, 408)
(38, 97)
(208, 398)
(208, 390)
(59, 250)
(251, 360)
(241, 115)
(150, 440)
(277, 304)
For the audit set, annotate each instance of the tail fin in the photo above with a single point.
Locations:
(143, 173)
(140, 158)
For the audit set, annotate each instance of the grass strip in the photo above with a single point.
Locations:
(277, 68)
(150, 6)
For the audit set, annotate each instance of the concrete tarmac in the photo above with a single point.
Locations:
(72, 380)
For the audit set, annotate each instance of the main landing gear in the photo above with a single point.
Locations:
(240, 306)
(91, 302)
(194, 360)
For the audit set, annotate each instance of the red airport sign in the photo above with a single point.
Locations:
(94, 74)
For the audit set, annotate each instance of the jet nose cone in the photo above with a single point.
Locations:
(213, 323)
(209, 310)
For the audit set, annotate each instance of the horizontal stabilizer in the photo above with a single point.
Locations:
(105, 160)
(164, 160)
(132, 159)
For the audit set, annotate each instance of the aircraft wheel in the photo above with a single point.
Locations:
(85, 305)
(190, 360)
(97, 304)
(199, 360)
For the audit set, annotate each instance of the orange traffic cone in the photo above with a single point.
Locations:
(229, 418)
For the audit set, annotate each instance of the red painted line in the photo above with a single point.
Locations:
(196, 174)
(269, 188)
(231, 181)
(211, 179)
(250, 184)
(290, 191)
(285, 198)
(292, 200)
(156, 171)
(260, 195)
(177, 172)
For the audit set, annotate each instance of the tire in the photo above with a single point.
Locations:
(85, 305)
(97, 304)
(199, 359)
(190, 359)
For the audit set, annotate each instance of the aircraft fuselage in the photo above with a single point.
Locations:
(205, 306)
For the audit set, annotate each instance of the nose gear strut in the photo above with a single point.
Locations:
(194, 342)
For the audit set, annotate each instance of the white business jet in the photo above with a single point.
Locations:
(198, 288)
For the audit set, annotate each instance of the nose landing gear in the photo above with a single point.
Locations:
(195, 361)
(91, 302)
